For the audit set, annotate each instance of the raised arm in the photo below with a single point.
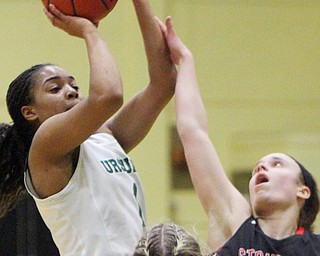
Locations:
(134, 120)
(73, 118)
(225, 206)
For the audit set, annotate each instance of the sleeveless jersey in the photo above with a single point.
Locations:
(101, 210)
(249, 240)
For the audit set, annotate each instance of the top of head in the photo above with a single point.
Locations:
(94, 10)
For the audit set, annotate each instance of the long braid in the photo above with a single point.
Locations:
(15, 139)
(11, 172)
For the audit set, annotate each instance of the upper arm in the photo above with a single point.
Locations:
(225, 206)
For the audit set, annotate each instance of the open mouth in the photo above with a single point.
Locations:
(261, 178)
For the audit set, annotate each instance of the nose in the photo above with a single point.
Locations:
(260, 167)
(72, 93)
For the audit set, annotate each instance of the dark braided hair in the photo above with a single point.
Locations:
(15, 139)
(167, 240)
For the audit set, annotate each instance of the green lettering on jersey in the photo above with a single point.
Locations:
(107, 166)
(118, 165)
(115, 165)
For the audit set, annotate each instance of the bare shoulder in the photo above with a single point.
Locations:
(49, 177)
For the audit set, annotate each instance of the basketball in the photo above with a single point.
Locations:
(94, 10)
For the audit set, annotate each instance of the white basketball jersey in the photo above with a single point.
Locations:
(101, 211)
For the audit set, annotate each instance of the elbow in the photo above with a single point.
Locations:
(113, 97)
(109, 101)
(113, 102)
(118, 100)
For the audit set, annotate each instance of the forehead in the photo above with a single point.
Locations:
(51, 71)
(280, 157)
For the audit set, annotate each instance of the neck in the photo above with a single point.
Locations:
(279, 225)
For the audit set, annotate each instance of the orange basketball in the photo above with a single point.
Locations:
(94, 10)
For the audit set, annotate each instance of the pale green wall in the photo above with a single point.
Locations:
(258, 66)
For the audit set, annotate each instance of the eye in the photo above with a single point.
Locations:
(277, 164)
(54, 89)
(75, 86)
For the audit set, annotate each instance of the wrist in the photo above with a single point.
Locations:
(186, 56)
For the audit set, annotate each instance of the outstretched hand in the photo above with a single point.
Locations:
(177, 48)
(75, 26)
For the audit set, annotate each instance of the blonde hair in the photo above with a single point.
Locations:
(167, 240)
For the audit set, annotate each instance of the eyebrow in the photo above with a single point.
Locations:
(277, 158)
(56, 77)
(273, 159)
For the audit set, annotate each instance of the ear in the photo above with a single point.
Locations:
(29, 113)
(303, 192)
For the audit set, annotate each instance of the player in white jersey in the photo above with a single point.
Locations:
(105, 180)
(85, 186)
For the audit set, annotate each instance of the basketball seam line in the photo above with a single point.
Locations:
(74, 8)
